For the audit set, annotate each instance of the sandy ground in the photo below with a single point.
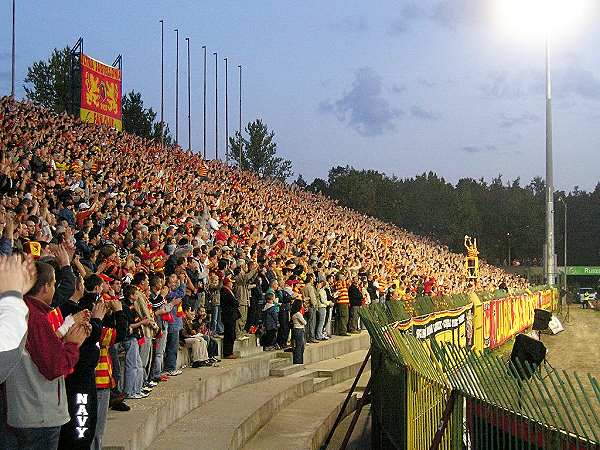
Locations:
(578, 347)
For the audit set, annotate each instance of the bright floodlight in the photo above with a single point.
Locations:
(536, 19)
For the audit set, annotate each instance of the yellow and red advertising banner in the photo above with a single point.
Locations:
(100, 93)
(452, 326)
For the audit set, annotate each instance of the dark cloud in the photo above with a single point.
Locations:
(503, 84)
(577, 80)
(364, 108)
(472, 149)
(449, 14)
(507, 121)
(423, 114)
(409, 13)
(352, 24)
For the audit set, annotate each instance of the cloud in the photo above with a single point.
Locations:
(505, 85)
(398, 88)
(507, 121)
(472, 149)
(449, 14)
(409, 13)
(363, 107)
(574, 79)
(352, 24)
(420, 113)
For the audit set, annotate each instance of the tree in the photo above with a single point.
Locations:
(136, 118)
(47, 82)
(259, 152)
(300, 182)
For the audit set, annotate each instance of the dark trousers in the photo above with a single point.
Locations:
(171, 351)
(311, 325)
(354, 318)
(283, 333)
(298, 351)
(37, 438)
(229, 336)
(79, 432)
(342, 319)
(269, 338)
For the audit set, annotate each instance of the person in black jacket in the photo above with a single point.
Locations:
(79, 432)
(285, 299)
(356, 300)
(230, 314)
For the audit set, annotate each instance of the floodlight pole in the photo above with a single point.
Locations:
(564, 202)
(204, 132)
(177, 88)
(189, 96)
(162, 82)
(216, 106)
(226, 115)
(12, 82)
(550, 269)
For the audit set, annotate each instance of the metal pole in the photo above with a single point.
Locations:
(12, 89)
(204, 154)
(226, 116)
(162, 82)
(189, 97)
(177, 88)
(564, 201)
(240, 124)
(509, 259)
(216, 108)
(550, 266)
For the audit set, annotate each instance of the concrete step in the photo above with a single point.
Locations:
(280, 362)
(243, 347)
(228, 421)
(338, 369)
(304, 424)
(172, 401)
(286, 370)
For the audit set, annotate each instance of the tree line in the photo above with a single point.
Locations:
(501, 215)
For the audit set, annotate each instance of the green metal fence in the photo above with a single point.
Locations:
(496, 408)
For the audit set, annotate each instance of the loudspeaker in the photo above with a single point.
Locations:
(527, 354)
(541, 319)
(555, 326)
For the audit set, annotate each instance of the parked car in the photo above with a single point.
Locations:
(585, 294)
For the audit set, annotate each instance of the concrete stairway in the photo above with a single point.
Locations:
(232, 418)
(304, 424)
(153, 418)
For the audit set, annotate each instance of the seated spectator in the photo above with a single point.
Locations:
(193, 340)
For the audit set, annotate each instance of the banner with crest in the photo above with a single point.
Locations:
(100, 93)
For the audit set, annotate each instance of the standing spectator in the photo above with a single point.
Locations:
(270, 322)
(143, 310)
(284, 298)
(231, 313)
(356, 301)
(243, 277)
(133, 378)
(162, 312)
(311, 302)
(322, 310)
(36, 385)
(17, 276)
(342, 302)
(175, 299)
(298, 324)
(214, 293)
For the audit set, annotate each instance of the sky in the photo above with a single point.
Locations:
(403, 87)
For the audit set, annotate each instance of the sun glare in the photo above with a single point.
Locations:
(536, 19)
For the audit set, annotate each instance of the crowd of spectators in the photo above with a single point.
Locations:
(141, 249)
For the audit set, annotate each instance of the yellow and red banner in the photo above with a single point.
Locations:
(100, 93)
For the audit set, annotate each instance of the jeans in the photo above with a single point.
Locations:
(311, 323)
(215, 322)
(146, 356)
(37, 438)
(321, 322)
(159, 354)
(134, 370)
(298, 351)
(113, 352)
(171, 351)
(103, 402)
